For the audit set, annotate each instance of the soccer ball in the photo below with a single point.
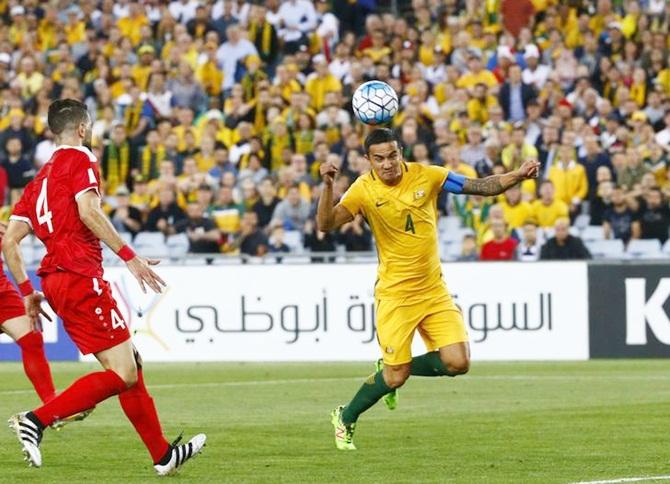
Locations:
(375, 102)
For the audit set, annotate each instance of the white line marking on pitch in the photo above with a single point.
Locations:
(626, 479)
(471, 379)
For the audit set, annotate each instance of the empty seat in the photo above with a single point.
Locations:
(644, 249)
(447, 224)
(149, 238)
(151, 244)
(297, 260)
(39, 250)
(453, 251)
(456, 235)
(582, 221)
(177, 245)
(293, 238)
(666, 247)
(593, 232)
(606, 249)
(109, 258)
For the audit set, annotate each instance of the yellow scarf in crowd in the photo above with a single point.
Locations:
(151, 160)
(118, 166)
(132, 115)
(266, 35)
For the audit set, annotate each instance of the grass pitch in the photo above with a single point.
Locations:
(267, 423)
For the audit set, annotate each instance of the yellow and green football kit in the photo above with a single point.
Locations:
(410, 293)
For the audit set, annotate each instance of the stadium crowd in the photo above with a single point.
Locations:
(211, 119)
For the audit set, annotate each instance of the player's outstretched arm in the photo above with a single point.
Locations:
(497, 184)
(12, 235)
(90, 212)
(328, 217)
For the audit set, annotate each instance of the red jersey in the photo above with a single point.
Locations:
(504, 250)
(49, 206)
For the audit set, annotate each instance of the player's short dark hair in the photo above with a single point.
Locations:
(66, 113)
(379, 136)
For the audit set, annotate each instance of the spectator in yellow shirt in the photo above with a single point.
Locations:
(515, 209)
(476, 74)
(75, 29)
(321, 82)
(47, 30)
(142, 70)
(29, 80)
(548, 208)
(569, 178)
(208, 73)
(451, 159)
(285, 81)
(379, 48)
(131, 25)
(479, 104)
(18, 27)
(518, 151)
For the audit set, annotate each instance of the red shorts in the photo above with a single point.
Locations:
(11, 304)
(88, 310)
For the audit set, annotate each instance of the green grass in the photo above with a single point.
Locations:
(267, 423)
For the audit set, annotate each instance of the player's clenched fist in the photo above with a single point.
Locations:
(328, 171)
(529, 169)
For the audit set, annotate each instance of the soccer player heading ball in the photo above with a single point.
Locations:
(62, 207)
(398, 200)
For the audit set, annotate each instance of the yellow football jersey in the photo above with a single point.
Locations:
(403, 219)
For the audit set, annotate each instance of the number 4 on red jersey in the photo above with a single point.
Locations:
(49, 206)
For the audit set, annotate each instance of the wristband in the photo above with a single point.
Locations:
(26, 288)
(126, 253)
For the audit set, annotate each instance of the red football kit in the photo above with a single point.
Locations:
(11, 304)
(72, 282)
(71, 270)
(35, 362)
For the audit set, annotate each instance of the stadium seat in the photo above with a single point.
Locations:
(582, 221)
(297, 260)
(593, 232)
(448, 224)
(644, 249)
(574, 231)
(28, 251)
(666, 247)
(456, 235)
(548, 232)
(127, 237)
(151, 244)
(293, 238)
(452, 250)
(39, 250)
(149, 238)
(177, 245)
(606, 249)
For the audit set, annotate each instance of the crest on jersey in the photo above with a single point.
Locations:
(419, 194)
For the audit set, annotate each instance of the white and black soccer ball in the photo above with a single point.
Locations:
(375, 102)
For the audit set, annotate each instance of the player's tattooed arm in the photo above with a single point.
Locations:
(497, 184)
(491, 185)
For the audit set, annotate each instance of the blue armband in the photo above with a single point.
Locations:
(454, 183)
